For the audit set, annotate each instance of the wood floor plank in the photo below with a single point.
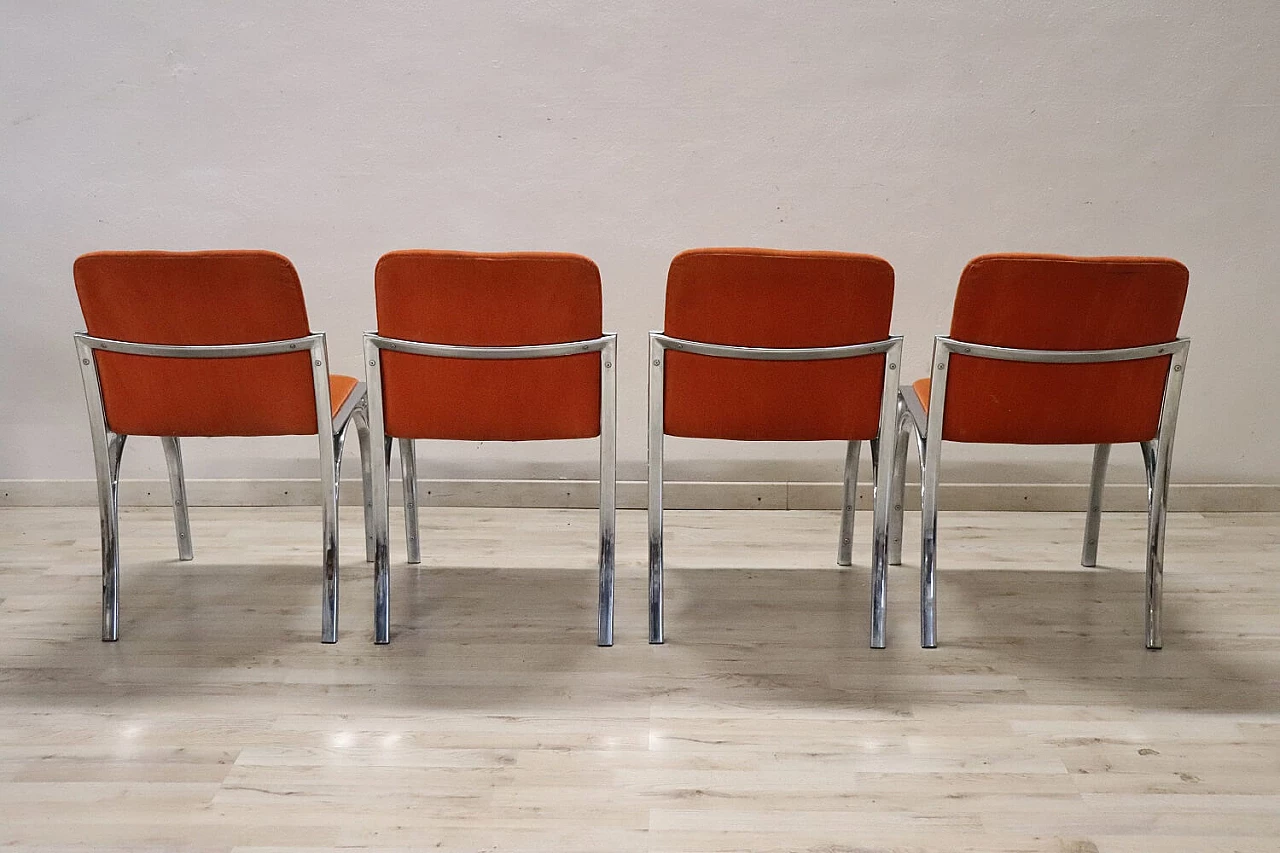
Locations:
(218, 722)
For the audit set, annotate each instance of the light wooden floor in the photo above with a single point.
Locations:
(492, 722)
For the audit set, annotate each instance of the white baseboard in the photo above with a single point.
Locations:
(1188, 497)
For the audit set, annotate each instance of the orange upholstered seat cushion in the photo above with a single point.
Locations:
(475, 299)
(770, 298)
(198, 298)
(1050, 302)
(340, 388)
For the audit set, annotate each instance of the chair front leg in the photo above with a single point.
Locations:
(1093, 518)
(361, 418)
(108, 447)
(844, 553)
(178, 491)
(409, 483)
(902, 423)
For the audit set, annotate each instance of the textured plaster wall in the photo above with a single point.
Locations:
(925, 132)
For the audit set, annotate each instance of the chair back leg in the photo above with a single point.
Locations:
(330, 470)
(107, 450)
(1093, 517)
(930, 463)
(844, 553)
(656, 424)
(883, 457)
(178, 492)
(1148, 449)
(1157, 466)
(608, 497)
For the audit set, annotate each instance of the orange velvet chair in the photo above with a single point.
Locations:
(1048, 349)
(487, 347)
(766, 345)
(186, 344)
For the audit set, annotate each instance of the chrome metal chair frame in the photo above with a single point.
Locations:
(883, 452)
(1156, 456)
(108, 447)
(606, 345)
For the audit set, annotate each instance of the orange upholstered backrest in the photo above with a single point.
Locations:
(1052, 302)
(474, 299)
(768, 298)
(198, 298)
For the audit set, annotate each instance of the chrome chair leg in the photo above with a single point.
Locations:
(844, 553)
(608, 492)
(899, 485)
(108, 447)
(883, 456)
(1157, 465)
(382, 550)
(330, 471)
(656, 425)
(361, 418)
(930, 444)
(178, 490)
(879, 550)
(380, 460)
(929, 546)
(409, 481)
(1093, 518)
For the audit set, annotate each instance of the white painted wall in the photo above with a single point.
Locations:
(925, 132)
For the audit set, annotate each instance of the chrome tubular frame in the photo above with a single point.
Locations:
(374, 344)
(882, 456)
(1156, 456)
(108, 446)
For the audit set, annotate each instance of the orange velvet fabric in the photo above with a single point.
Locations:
(475, 299)
(200, 298)
(1056, 302)
(771, 298)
